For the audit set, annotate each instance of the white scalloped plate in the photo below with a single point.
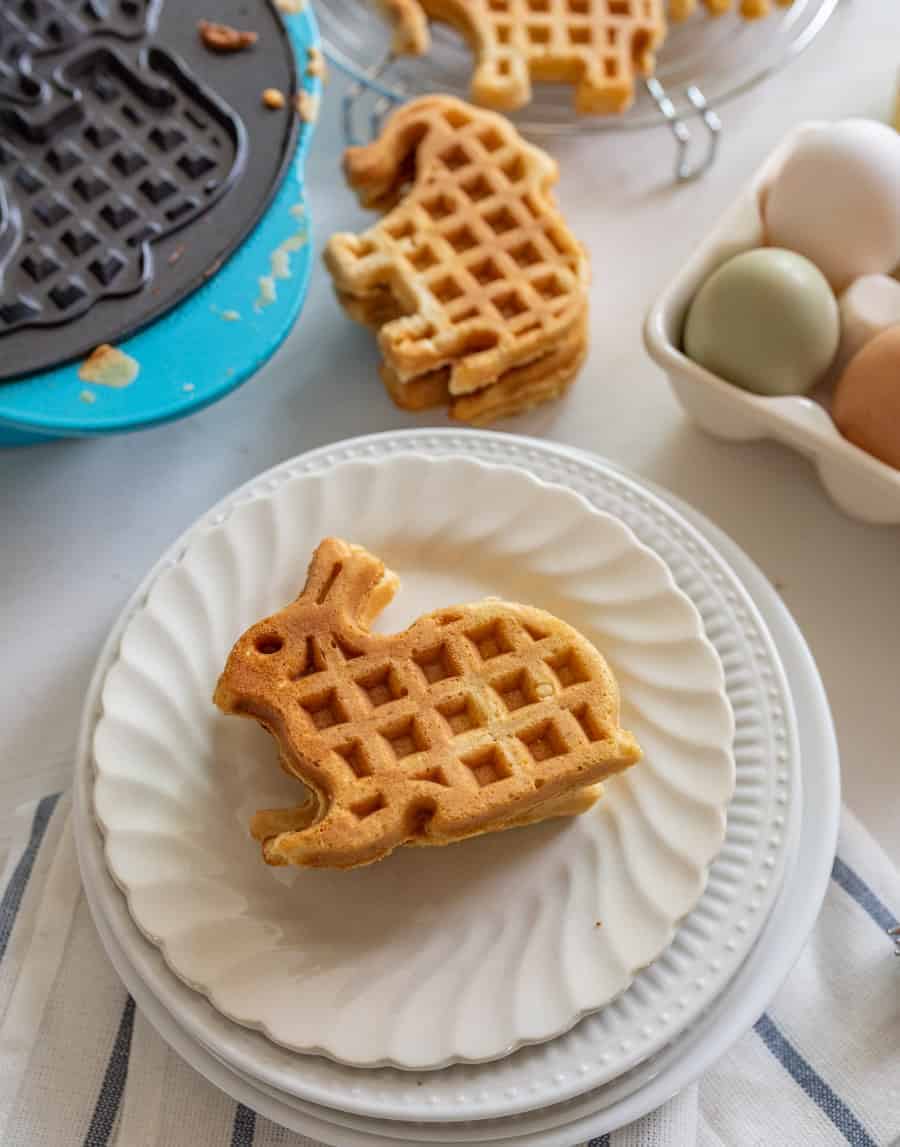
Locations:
(549, 1071)
(506, 941)
(766, 804)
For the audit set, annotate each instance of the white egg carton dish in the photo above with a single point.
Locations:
(861, 485)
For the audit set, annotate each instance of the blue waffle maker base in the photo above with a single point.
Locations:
(199, 351)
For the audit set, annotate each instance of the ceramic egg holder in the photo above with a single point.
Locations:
(860, 484)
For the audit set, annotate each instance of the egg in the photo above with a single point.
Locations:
(836, 199)
(766, 320)
(866, 406)
(869, 306)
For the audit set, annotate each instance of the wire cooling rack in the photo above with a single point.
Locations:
(702, 64)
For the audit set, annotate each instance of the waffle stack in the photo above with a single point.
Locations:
(474, 719)
(476, 286)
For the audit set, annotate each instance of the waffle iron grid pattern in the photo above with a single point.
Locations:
(109, 144)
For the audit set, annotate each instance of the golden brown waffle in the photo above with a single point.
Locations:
(518, 390)
(749, 9)
(268, 823)
(483, 272)
(597, 45)
(370, 310)
(471, 718)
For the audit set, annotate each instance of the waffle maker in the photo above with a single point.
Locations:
(149, 200)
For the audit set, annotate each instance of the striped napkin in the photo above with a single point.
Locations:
(81, 1067)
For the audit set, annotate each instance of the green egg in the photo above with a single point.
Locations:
(766, 320)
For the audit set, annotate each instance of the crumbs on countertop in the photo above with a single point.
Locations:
(223, 38)
(175, 254)
(231, 316)
(273, 98)
(108, 366)
(212, 268)
(88, 396)
(307, 106)
(188, 388)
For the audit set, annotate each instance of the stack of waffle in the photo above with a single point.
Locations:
(476, 286)
(475, 719)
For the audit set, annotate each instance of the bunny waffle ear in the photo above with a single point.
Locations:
(349, 578)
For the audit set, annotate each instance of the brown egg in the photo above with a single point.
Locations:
(867, 399)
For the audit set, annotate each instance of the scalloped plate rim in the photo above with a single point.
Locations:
(565, 465)
(703, 865)
(585, 506)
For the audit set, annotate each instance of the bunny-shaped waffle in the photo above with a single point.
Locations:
(600, 46)
(472, 269)
(475, 718)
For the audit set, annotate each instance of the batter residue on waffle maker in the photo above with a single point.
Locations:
(123, 141)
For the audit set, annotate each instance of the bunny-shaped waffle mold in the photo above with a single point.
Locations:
(475, 718)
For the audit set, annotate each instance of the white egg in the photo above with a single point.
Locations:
(869, 306)
(836, 200)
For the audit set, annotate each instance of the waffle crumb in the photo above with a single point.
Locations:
(267, 291)
(290, 7)
(231, 316)
(273, 98)
(307, 107)
(223, 38)
(107, 366)
(88, 396)
(315, 64)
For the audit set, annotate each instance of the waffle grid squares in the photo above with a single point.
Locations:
(67, 200)
(445, 730)
(481, 269)
(437, 700)
(599, 46)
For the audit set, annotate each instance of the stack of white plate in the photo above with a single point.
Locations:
(539, 986)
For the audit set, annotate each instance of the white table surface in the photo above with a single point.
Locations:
(82, 521)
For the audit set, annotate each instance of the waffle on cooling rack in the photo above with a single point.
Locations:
(598, 46)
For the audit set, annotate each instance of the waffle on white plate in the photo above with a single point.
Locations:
(476, 718)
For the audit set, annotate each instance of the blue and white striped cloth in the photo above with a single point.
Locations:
(80, 1067)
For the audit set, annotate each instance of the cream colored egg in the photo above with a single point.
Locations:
(869, 306)
(836, 200)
